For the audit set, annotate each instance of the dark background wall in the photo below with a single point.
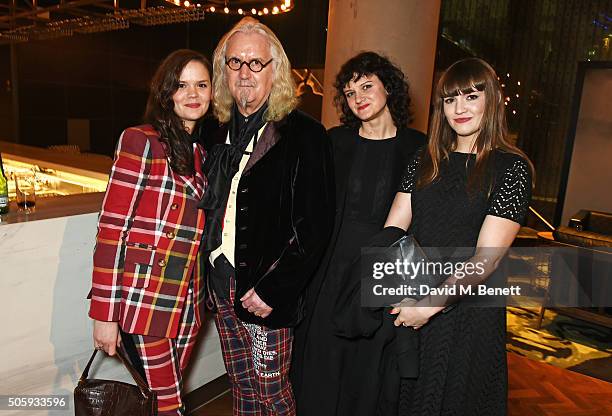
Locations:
(535, 47)
(6, 114)
(102, 79)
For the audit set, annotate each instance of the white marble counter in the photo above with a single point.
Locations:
(45, 273)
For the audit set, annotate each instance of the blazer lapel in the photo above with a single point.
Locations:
(200, 180)
(194, 185)
(269, 137)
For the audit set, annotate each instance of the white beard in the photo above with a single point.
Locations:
(243, 99)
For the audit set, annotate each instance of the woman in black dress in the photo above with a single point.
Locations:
(371, 150)
(470, 187)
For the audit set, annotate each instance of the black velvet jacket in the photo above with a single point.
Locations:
(284, 215)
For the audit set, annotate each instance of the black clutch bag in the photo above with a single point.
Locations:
(408, 250)
(356, 315)
(94, 397)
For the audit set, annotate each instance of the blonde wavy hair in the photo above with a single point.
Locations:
(282, 98)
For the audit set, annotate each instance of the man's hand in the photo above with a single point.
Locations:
(253, 303)
(106, 336)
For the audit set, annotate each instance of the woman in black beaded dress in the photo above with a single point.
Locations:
(371, 151)
(469, 188)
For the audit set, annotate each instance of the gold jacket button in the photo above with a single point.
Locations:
(161, 263)
(170, 235)
(174, 206)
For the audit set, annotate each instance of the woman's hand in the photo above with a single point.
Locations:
(106, 336)
(414, 316)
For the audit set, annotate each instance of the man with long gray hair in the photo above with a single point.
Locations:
(269, 212)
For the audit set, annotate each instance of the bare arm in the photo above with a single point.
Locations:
(400, 214)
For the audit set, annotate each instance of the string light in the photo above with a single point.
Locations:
(282, 6)
(518, 83)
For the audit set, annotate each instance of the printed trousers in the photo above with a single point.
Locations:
(163, 360)
(257, 361)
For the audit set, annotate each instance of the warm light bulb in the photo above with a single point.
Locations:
(508, 75)
(518, 83)
(283, 7)
(187, 4)
(212, 9)
(503, 85)
(265, 10)
(275, 10)
(253, 11)
(517, 96)
(226, 10)
(513, 111)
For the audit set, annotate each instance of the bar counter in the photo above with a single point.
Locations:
(45, 275)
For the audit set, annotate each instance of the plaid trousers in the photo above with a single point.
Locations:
(164, 359)
(257, 361)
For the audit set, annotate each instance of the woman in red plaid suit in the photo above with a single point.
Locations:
(146, 290)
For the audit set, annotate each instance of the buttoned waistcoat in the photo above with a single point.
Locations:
(148, 239)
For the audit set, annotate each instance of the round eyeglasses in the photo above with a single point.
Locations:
(255, 65)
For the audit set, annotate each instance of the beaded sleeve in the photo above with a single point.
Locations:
(511, 195)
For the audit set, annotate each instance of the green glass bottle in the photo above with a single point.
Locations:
(4, 199)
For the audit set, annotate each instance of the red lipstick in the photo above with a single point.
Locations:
(363, 107)
(193, 105)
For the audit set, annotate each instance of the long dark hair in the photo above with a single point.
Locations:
(392, 78)
(463, 77)
(160, 109)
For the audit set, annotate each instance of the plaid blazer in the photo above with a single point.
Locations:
(148, 239)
